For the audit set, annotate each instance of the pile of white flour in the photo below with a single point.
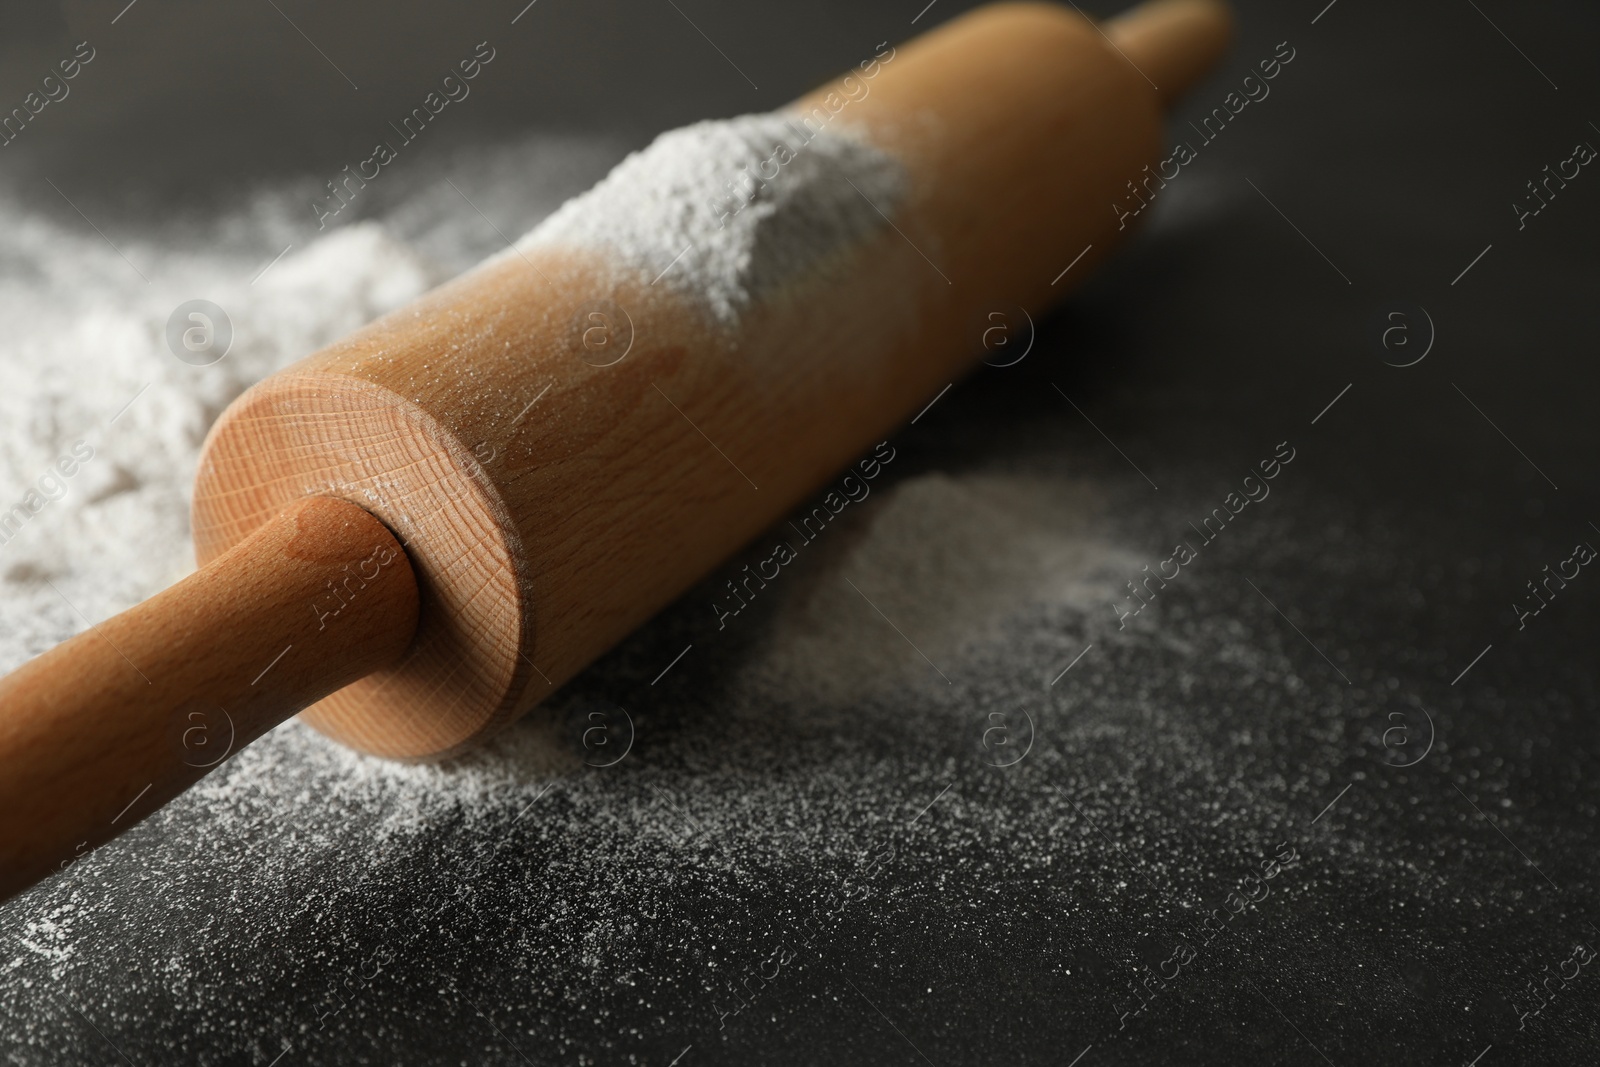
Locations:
(726, 210)
(87, 372)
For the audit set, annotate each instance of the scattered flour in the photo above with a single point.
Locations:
(951, 558)
(727, 210)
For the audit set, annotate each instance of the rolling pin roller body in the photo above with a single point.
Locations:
(549, 502)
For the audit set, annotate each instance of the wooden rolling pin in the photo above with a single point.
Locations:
(393, 541)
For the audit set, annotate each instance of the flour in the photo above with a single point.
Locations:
(726, 211)
(987, 545)
(118, 532)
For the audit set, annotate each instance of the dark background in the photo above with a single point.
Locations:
(1426, 897)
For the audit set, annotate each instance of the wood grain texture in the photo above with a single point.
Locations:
(107, 727)
(550, 504)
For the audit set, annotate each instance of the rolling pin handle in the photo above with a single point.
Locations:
(105, 728)
(1173, 43)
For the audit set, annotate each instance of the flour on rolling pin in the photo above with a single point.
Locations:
(727, 210)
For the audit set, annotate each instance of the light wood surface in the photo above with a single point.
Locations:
(103, 729)
(556, 479)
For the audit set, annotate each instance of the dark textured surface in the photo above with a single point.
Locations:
(1005, 914)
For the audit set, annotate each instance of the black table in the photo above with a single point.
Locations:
(1327, 797)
